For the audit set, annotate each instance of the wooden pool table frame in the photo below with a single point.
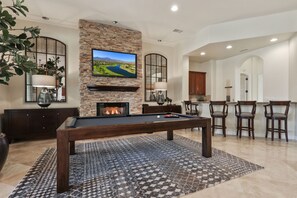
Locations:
(66, 138)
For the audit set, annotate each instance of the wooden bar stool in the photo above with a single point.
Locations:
(245, 110)
(277, 110)
(218, 109)
(191, 108)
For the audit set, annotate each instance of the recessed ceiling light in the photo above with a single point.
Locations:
(174, 8)
(115, 22)
(273, 39)
(228, 46)
(202, 53)
(45, 18)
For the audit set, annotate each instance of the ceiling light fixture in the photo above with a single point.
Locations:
(174, 8)
(115, 22)
(202, 53)
(273, 39)
(229, 47)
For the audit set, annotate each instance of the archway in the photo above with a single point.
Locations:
(251, 79)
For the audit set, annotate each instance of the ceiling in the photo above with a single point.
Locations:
(153, 17)
(218, 51)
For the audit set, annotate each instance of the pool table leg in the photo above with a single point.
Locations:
(72, 147)
(62, 161)
(170, 135)
(206, 140)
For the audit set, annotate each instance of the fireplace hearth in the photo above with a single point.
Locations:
(112, 108)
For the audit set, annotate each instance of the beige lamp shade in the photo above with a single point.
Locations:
(43, 81)
(161, 86)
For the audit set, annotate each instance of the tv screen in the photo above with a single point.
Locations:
(114, 64)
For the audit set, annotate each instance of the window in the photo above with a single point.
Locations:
(46, 48)
(155, 71)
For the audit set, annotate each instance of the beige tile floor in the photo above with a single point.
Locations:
(278, 178)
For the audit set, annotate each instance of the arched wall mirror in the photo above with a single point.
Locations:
(251, 79)
(155, 71)
(47, 48)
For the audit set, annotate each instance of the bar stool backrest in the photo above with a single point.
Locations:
(218, 106)
(278, 107)
(245, 106)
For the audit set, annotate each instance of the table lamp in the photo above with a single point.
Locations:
(45, 82)
(160, 87)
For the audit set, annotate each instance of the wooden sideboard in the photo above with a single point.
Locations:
(161, 108)
(34, 123)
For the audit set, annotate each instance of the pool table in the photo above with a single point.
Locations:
(81, 128)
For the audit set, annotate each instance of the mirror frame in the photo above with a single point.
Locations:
(153, 63)
(46, 48)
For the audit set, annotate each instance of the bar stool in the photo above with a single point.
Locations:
(191, 108)
(218, 109)
(245, 110)
(277, 110)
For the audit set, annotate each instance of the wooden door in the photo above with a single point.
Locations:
(192, 83)
(197, 83)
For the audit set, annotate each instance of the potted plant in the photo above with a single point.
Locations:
(12, 47)
(51, 68)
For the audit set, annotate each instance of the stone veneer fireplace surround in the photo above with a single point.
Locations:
(107, 37)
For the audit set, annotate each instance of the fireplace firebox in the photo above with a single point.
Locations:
(112, 108)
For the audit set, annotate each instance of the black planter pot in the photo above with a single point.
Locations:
(4, 146)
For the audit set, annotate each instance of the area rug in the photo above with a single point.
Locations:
(142, 166)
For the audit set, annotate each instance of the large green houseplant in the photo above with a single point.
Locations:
(13, 42)
(12, 58)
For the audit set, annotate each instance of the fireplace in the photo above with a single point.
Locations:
(112, 108)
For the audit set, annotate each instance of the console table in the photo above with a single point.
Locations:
(34, 123)
(161, 108)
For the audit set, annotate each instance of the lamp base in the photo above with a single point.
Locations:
(45, 98)
(160, 98)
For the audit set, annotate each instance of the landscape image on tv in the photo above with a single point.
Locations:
(114, 64)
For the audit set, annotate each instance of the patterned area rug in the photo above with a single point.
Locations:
(143, 166)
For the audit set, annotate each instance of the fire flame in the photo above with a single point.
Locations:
(112, 111)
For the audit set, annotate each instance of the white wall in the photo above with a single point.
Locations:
(293, 69)
(4, 98)
(275, 72)
(16, 88)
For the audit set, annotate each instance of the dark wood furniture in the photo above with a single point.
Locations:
(197, 83)
(74, 129)
(218, 109)
(191, 108)
(4, 147)
(35, 123)
(245, 110)
(277, 111)
(161, 108)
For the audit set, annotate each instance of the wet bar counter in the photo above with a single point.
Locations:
(260, 120)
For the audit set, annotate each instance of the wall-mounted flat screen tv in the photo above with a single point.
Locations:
(114, 64)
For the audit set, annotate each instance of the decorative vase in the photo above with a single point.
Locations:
(4, 146)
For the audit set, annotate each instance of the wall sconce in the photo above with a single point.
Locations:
(160, 87)
(45, 82)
